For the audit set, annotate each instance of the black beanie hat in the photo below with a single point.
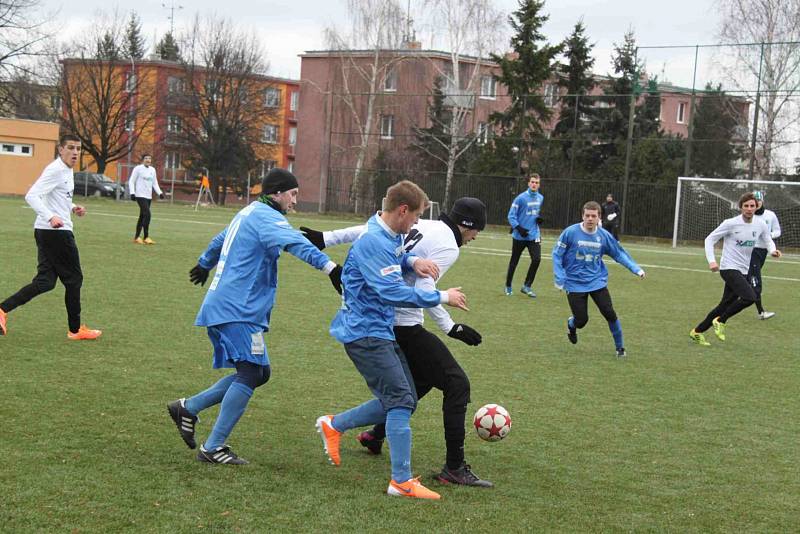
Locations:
(469, 212)
(278, 180)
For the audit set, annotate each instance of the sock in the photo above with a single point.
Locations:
(209, 397)
(233, 405)
(369, 413)
(571, 323)
(759, 307)
(398, 432)
(616, 331)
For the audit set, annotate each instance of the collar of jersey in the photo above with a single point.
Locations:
(585, 231)
(384, 225)
(454, 227)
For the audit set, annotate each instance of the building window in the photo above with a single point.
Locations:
(483, 132)
(488, 87)
(212, 89)
(55, 103)
(270, 134)
(387, 126)
(272, 97)
(130, 82)
(174, 124)
(16, 149)
(293, 135)
(266, 166)
(130, 124)
(290, 166)
(390, 82)
(550, 95)
(295, 99)
(681, 112)
(172, 160)
(176, 85)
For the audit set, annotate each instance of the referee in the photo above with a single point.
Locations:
(51, 199)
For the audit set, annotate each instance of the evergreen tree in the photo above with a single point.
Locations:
(715, 124)
(134, 41)
(167, 48)
(431, 144)
(107, 48)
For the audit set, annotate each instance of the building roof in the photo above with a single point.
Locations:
(440, 54)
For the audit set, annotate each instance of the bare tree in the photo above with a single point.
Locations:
(231, 120)
(471, 29)
(367, 55)
(765, 35)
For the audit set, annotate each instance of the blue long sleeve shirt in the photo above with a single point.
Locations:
(578, 259)
(523, 212)
(373, 285)
(246, 255)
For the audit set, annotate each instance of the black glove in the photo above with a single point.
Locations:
(133, 197)
(466, 334)
(522, 231)
(315, 237)
(539, 220)
(336, 278)
(198, 275)
(161, 196)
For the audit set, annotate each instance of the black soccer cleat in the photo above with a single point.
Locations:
(220, 455)
(367, 439)
(572, 334)
(621, 352)
(462, 476)
(184, 420)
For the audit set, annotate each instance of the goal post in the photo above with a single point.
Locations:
(701, 204)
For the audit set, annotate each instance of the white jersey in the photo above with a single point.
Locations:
(51, 195)
(428, 239)
(774, 226)
(143, 181)
(740, 239)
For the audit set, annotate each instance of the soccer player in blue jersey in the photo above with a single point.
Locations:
(237, 307)
(373, 285)
(579, 270)
(524, 218)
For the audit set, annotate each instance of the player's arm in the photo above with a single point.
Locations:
(322, 240)
(621, 255)
(132, 182)
(48, 181)
(208, 259)
(513, 220)
(156, 187)
(776, 227)
(772, 249)
(559, 250)
(283, 235)
(711, 240)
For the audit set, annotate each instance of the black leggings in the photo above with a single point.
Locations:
(754, 275)
(535, 251)
(579, 305)
(58, 260)
(433, 366)
(737, 295)
(143, 224)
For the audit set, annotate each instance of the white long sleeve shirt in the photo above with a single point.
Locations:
(51, 195)
(143, 181)
(774, 226)
(428, 239)
(740, 238)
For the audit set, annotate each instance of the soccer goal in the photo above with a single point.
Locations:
(702, 203)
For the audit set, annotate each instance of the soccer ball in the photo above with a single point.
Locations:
(492, 422)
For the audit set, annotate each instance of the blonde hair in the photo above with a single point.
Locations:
(405, 193)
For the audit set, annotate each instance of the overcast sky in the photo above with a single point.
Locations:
(290, 27)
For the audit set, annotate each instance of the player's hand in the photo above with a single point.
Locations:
(80, 211)
(713, 266)
(336, 278)
(539, 220)
(56, 222)
(641, 274)
(133, 197)
(611, 216)
(198, 275)
(315, 236)
(776, 253)
(456, 298)
(522, 231)
(464, 333)
(426, 268)
(161, 196)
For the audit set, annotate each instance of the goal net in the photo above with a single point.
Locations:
(701, 204)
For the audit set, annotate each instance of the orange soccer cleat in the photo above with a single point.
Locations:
(84, 332)
(411, 488)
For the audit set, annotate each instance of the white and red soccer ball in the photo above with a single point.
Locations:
(492, 422)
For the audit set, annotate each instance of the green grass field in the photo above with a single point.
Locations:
(673, 438)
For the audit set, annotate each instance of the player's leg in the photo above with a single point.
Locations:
(146, 221)
(535, 252)
(578, 305)
(602, 299)
(517, 246)
(743, 290)
(728, 296)
(140, 220)
(756, 281)
(67, 263)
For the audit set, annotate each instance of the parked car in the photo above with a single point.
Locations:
(98, 185)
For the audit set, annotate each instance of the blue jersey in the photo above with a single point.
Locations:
(246, 254)
(578, 259)
(523, 212)
(372, 283)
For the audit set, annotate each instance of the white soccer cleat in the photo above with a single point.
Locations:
(765, 315)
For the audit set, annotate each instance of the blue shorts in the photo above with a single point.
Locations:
(236, 342)
(383, 365)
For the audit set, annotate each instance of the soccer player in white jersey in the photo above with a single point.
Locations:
(431, 363)
(760, 252)
(51, 198)
(740, 235)
(141, 186)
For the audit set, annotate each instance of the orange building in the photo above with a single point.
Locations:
(26, 148)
